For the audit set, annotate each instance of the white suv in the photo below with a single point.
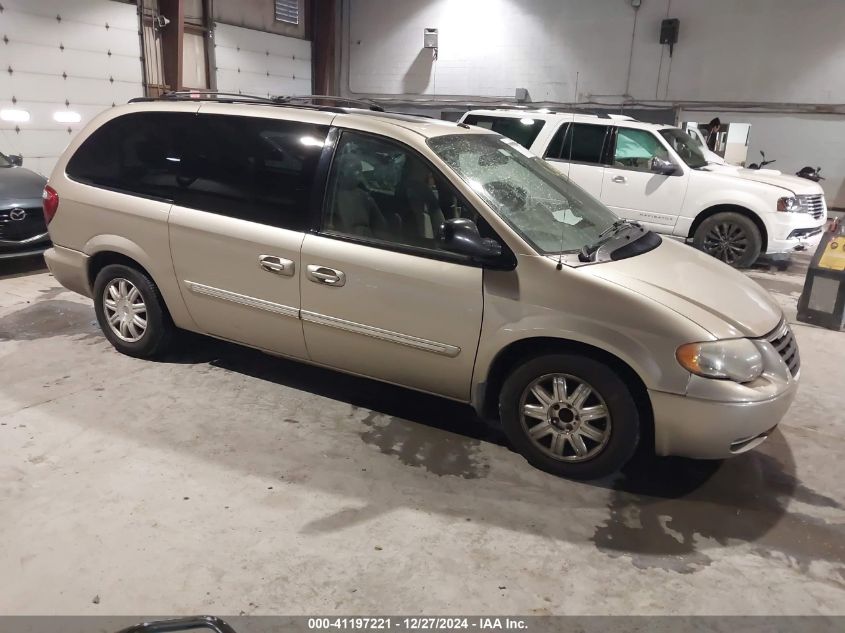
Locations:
(658, 176)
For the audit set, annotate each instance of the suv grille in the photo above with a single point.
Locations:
(784, 342)
(13, 228)
(814, 204)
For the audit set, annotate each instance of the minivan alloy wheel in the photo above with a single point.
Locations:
(565, 417)
(726, 241)
(125, 310)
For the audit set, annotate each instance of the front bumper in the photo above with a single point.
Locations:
(707, 429)
(721, 418)
(790, 232)
(70, 268)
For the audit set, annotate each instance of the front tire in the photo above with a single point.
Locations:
(570, 415)
(730, 237)
(131, 312)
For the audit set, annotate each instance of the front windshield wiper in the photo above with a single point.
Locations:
(588, 252)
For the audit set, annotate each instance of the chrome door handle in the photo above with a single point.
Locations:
(326, 276)
(619, 179)
(278, 265)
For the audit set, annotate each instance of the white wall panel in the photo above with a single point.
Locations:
(261, 63)
(729, 50)
(89, 59)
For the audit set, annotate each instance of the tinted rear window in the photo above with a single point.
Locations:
(255, 169)
(524, 131)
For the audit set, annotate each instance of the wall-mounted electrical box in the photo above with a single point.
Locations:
(669, 29)
(430, 38)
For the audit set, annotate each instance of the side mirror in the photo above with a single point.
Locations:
(460, 235)
(663, 167)
(16, 160)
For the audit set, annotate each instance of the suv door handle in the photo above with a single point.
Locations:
(619, 179)
(273, 264)
(326, 276)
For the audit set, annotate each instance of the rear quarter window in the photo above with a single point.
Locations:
(136, 153)
(524, 131)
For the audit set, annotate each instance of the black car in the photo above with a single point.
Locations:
(22, 227)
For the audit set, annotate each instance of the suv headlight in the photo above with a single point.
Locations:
(791, 204)
(734, 359)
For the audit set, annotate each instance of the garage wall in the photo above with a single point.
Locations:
(258, 15)
(729, 50)
(76, 55)
(763, 51)
(260, 63)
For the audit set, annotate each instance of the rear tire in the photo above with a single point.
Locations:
(730, 237)
(570, 415)
(131, 312)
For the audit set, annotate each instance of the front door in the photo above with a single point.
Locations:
(633, 191)
(236, 227)
(379, 298)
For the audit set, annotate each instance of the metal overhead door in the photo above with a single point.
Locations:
(63, 60)
(260, 63)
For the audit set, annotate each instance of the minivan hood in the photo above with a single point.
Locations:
(720, 299)
(798, 186)
(18, 183)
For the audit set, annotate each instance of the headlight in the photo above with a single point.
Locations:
(791, 205)
(735, 359)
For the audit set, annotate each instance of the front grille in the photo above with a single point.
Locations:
(814, 205)
(784, 342)
(14, 228)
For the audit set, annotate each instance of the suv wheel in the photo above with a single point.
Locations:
(570, 415)
(131, 312)
(730, 237)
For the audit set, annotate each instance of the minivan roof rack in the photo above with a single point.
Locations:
(204, 95)
(359, 103)
(305, 101)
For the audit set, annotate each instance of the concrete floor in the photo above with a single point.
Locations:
(223, 481)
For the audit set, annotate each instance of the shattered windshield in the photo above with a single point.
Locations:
(547, 210)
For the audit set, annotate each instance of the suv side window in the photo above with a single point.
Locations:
(382, 192)
(134, 153)
(256, 169)
(635, 149)
(524, 131)
(579, 143)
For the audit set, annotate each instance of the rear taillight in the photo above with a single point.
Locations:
(50, 202)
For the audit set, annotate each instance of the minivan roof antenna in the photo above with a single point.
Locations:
(571, 133)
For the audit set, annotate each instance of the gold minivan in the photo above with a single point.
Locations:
(433, 255)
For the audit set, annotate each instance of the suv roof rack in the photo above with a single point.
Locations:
(302, 101)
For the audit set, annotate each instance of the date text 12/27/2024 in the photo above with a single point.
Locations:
(417, 624)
